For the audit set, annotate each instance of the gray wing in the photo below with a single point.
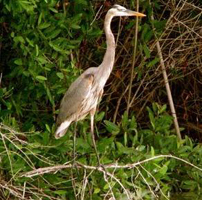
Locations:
(78, 91)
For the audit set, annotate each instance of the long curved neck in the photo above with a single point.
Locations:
(109, 57)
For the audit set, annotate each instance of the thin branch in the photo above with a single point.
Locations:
(0, 79)
(56, 168)
(165, 76)
(144, 179)
(133, 61)
(13, 190)
(157, 184)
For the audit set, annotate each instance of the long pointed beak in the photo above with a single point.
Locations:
(134, 13)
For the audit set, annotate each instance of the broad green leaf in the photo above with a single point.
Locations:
(104, 143)
(60, 75)
(96, 190)
(44, 25)
(109, 184)
(58, 48)
(99, 116)
(41, 78)
(163, 109)
(42, 59)
(54, 34)
(111, 127)
(18, 39)
(163, 170)
(75, 26)
(18, 61)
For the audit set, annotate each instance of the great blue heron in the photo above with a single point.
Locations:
(85, 92)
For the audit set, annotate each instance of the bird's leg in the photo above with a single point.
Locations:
(92, 114)
(74, 144)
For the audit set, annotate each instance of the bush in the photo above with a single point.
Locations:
(43, 49)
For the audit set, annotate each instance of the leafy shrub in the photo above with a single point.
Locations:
(40, 57)
(126, 144)
(43, 37)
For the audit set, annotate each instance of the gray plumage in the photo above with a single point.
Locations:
(85, 92)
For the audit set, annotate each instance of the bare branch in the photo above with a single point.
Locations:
(56, 168)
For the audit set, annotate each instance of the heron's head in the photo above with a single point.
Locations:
(118, 10)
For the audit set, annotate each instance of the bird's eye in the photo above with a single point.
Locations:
(121, 9)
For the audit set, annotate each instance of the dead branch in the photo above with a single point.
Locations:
(78, 165)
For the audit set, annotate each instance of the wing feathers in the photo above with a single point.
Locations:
(61, 130)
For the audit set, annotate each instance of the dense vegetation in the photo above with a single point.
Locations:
(45, 45)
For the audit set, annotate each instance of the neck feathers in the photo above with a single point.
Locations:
(109, 57)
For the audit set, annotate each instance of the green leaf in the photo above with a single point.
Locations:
(75, 26)
(163, 109)
(37, 50)
(124, 121)
(31, 43)
(49, 95)
(104, 143)
(111, 127)
(58, 48)
(40, 17)
(109, 184)
(41, 78)
(60, 192)
(53, 10)
(96, 190)
(153, 62)
(54, 34)
(18, 39)
(99, 116)
(60, 75)
(41, 60)
(18, 61)
(44, 25)
(151, 117)
(48, 127)
(133, 123)
(146, 51)
(152, 151)
(163, 170)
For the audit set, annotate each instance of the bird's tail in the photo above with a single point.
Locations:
(62, 128)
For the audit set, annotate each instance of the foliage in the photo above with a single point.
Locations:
(126, 143)
(43, 49)
(42, 60)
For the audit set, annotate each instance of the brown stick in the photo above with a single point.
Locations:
(165, 76)
(56, 168)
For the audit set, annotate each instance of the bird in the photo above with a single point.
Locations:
(86, 91)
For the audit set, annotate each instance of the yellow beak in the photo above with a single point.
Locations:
(134, 13)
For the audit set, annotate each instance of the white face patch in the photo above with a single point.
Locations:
(119, 8)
